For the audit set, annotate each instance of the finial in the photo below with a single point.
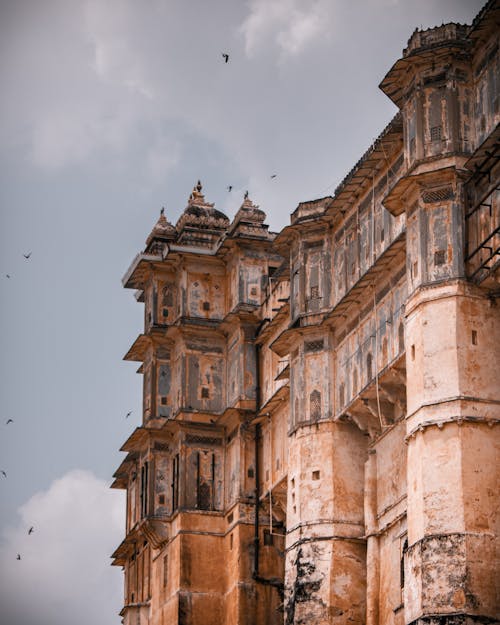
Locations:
(199, 187)
(162, 212)
(246, 195)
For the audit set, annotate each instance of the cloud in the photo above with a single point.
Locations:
(291, 25)
(140, 90)
(64, 575)
(162, 156)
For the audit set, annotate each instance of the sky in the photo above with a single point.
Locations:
(111, 109)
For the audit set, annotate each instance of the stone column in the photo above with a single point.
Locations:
(453, 364)
(325, 580)
(372, 546)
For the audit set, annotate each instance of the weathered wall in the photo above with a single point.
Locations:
(320, 439)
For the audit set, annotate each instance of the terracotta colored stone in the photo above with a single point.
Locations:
(320, 431)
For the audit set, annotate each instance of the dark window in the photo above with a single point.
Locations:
(204, 496)
(341, 395)
(314, 292)
(268, 538)
(436, 133)
(205, 393)
(175, 482)
(144, 489)
(315, 405)
(165, 570)
(206, 305)
(205, 485)
(316, 475)
(313, 346)
(369, 362)
(439, 257)
(402, 563)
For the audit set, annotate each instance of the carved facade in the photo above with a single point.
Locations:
(320, 433)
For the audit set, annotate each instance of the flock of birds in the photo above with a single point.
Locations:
(225, 56)
(9, 421)
(4, 473)
(230, 186)
(27, 256)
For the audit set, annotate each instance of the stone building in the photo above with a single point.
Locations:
(321, 405)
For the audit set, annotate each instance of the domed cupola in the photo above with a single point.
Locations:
(163, 232)
(200, 224)
(249, 221)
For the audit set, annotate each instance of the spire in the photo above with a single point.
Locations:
(197, 196)
(249, 221)
(200, 223)
(163, 230)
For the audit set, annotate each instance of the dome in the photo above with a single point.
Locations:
(200, 214)
(163, 230)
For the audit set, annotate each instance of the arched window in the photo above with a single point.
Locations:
(384, 351)
(315, 405)
(341, 395)
(401, 337)
(402, 563)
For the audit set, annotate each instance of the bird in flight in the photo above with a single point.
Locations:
(128, 414)
(273, 176)
(27, 255)
(18, 556)
(31, 529)
(225, 56)
(4, 474)
(230, 188)
(9, 421)
(7, 275)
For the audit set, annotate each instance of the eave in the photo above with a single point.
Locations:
(282, 345)
(272, 404)
(284, 239)
(395, 200)
(394, 82)
(137, 351)
(121, 474)
(352, 186)
(274, 323)
(366, 280)
(135, 275)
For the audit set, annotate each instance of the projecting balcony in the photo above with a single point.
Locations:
(381, 403)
